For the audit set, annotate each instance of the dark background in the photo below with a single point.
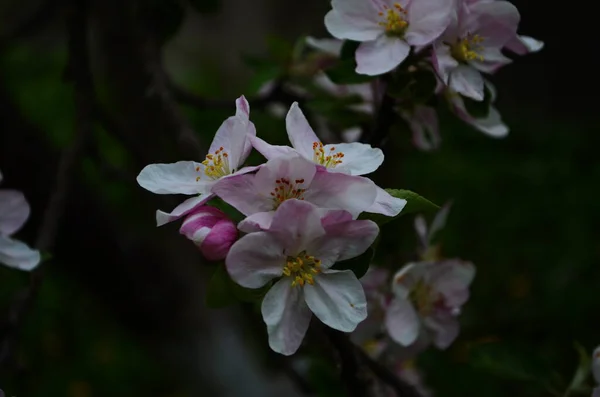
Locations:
(121, 308)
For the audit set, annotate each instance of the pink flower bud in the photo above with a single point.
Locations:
(211, 230)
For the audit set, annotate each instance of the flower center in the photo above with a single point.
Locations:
(421, 296)
(329, 158)
(285, 190)
(468, 48)
(302, 268)
(394, 20)
(216, 165)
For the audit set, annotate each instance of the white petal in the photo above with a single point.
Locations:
(359, 28)
(402, 322)
(522, 45)
(359, 158)
(270, 151)
(340, 191)
(427, 20)
(443, 62)
(255, 259)
(256, 222)
(232, 136)
(175, 178)
(381, 55)
(439, 221)
(337, 298)
(445, 329)
(18, 255)
(296, 223)
(492, 125)
(14, 211)
(286, 315)
(467, 80)
(330, 46)
(300, 133)
(386, 204)
(182, 209)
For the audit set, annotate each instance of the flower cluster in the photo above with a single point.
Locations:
(14, 211)
(300, 207)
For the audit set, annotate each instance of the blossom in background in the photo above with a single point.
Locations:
(14, 212)
(292, 177)
(426, 235)
(211, 231)
(596, 370)
(387, 29)
(300, 246)
(228, 151)
(344, 158)
(424, 125)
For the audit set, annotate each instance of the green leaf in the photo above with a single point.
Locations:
(358, 265)
(479, 109)
(279, 49)
(343, 72)
(249, 294)
(414, 204)
(206, 6)
(219, 290)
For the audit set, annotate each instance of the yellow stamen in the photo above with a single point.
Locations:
(394, 20)
(216, 165)
(468, 48)
(330, 159)
(302, 269)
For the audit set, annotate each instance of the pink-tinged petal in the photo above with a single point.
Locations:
(492, 125)
(255, 259)
(596, 364)
(175, 178)
(439, 221)
(343, 241)
(340, 191)
(256, 222)
(443, 61)
(445, 328)
(495, 21)
(270, 151)
(232, 136)
(240, 192)
(330, 46)
(424, 125)
(467, 81)
(452, 278)
(242, 107)
(406, 278)
(381, 55)
(218, 242)
(522, 45)
(286, 315)
(14, 211)
(359, 158)
(402, 322)
(337, 299)
(421, 229)
(427, 20)
(296, 223)
(374, 278)
(182, 209)
(18, 255)
(293, 167)
(386, 204)
(493, 59)
(352, 26)
(300, 133)
(332, 217)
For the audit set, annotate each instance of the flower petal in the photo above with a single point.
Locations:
(219, 240)
(386, 204)
(18, 255)
(330, 46)
(256, 222)
(296, 223)
(381, 55)
(467, 81)
(443, 61)
(292, 167)
(359, 158)
(270, 151)
(232, 136)
(522, 45)
(240, 192)
(175, 178)
(14, 211)
(182, 209)
(445, 329)
(492, 125)
(286, 315)
(427, 20)
(401, 322)
(439, 221)
(452, 278)
(425, 128)
(300, 133)
(340, 191)
(351, 25)
(255, 259)
(493, 59)
(337, 299)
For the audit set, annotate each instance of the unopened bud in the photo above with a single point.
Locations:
(211, 231)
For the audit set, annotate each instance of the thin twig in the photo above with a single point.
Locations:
(383, 122)
(78, 71)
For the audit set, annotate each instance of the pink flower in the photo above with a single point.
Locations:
(426, 236)
(427, 299)
(473, 43)
(387, 28)
(211, 230)
(292, 177)
(423, 122)
(491, 125)
(14, 211)
(343, 158)
(299, 248)
(227, 153)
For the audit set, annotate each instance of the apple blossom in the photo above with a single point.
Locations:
(300, 246)
(228, 151)
(426, 237)
(348, 158)
(427, 300)
(387, 28)
(14, 211)
(596, 370)
(211, 230)
(423, 123)
(292, 177)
